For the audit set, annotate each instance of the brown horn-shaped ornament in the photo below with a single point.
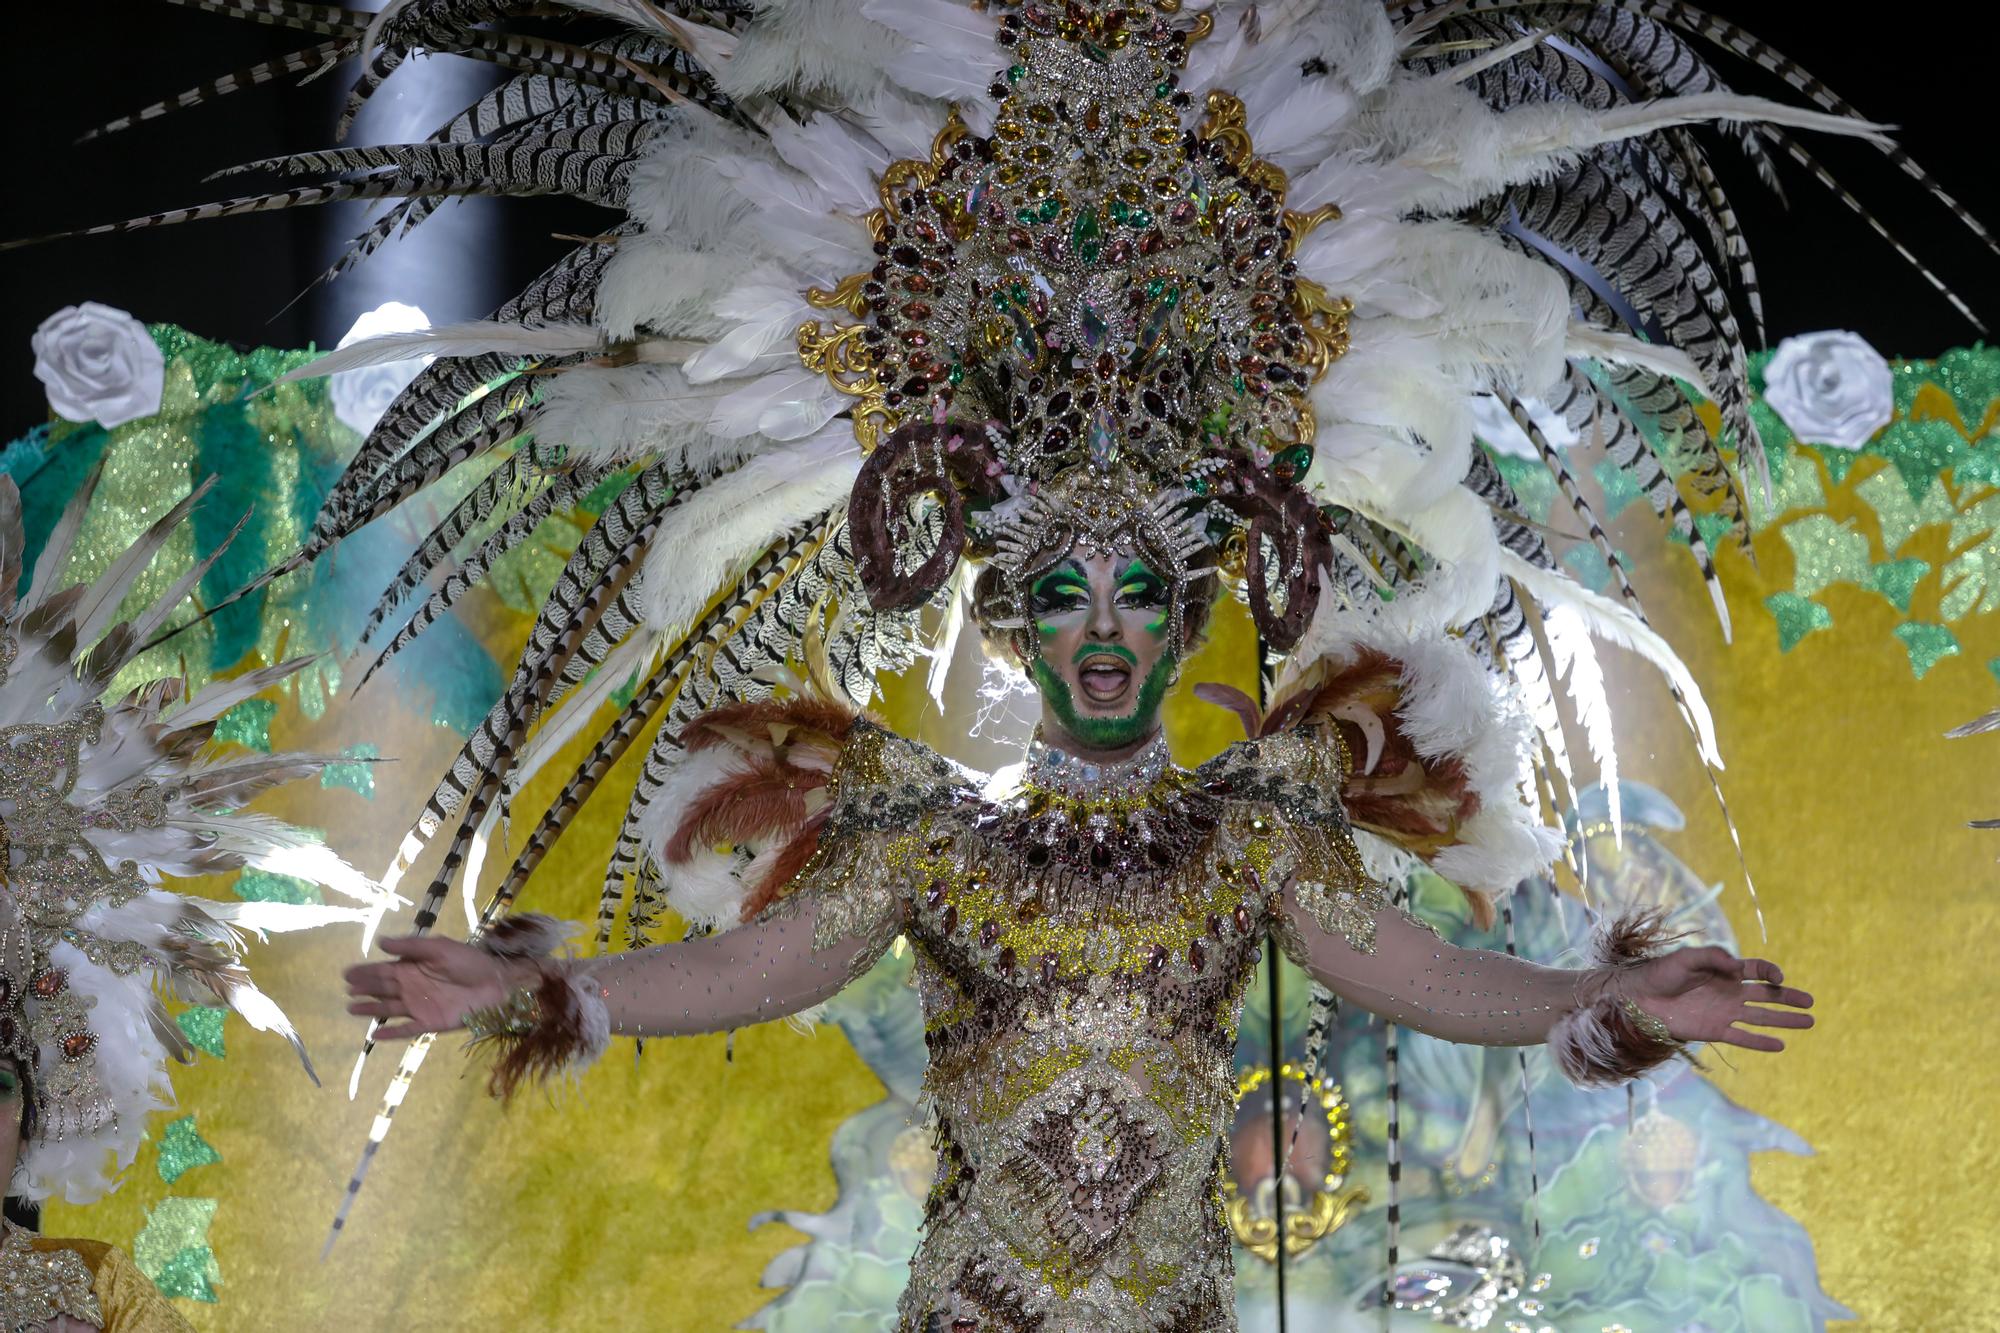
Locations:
(1291, 521)
(945, 459)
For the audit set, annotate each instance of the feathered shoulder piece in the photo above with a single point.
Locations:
(1432, 753)
(101, 798)
(765, 782)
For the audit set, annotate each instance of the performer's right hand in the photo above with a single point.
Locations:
(431, 986)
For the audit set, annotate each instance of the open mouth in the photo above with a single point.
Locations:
(1104, 677)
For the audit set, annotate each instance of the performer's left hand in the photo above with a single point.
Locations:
(1704, 994)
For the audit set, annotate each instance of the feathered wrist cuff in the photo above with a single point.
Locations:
(554, 1026)
(1611, 1040)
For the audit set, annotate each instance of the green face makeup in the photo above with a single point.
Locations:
(1061, 590)
(10, 1084)
(1065, 591)
(1105, 733)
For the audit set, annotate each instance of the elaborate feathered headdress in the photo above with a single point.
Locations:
(100, 800)
(895, 281)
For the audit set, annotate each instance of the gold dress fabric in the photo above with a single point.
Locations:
(1082, 949)
(127, 1298)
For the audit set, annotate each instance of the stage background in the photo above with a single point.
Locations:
(625, 1203)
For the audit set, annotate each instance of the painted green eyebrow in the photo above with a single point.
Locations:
(1068, 571)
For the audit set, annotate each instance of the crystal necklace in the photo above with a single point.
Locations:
(1060, 773)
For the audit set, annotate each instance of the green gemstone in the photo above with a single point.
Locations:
(1155, 288)
(1026, 217)
(957, 373)
(1159, 89)
(1139, 218)
(1084, 233)
(1118, 210)
(1051, 210)
(1238, 381)
(1014, 73)
(1199, 485)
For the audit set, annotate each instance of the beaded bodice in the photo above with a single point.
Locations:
(1083, 945)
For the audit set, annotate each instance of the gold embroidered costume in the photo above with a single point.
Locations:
(1083, 945)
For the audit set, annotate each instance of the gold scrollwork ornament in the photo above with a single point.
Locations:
(840, 355)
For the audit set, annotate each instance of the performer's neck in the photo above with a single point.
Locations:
(1057, 737)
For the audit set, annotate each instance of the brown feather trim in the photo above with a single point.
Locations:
(818, 716)
(763, 798)
(543, 1053)
(1601, 1044)
(1633, 937)
(787, 866)
(525, 935)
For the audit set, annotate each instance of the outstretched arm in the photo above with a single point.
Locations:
(1607, 1021)
(767, 969)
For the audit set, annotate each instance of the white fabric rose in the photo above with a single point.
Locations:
(362, 395)
(1831, 388)
(99, 364)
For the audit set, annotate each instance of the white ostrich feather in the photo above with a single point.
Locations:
(643, 412)
(1585, 340)
(474, 338)
(1614, 624)
(740, 514)
(1576, 663)
(951, 54)
(823, 48)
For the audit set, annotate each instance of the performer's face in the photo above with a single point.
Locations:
(1104, 660)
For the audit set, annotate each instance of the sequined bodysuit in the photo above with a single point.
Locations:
(1082, 947)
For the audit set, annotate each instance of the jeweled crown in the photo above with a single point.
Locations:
(1099, 282)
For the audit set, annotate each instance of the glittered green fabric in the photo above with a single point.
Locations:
(1824, 553)
(1797, 617)
(172, 1249)
(248, 724)
(261, 886)
(358, 776)
(202, 1026)
(1927, 644)
(182, 1149)
(1911, 517)
(274, 451)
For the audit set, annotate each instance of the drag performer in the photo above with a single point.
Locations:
(1066, 317)
(1082, 945)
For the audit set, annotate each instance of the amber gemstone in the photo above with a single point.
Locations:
(1156, 958)
(76, 1045)
(988, 933)
(49, 982)
(951, 919)
(1197, 955)
(1242, 917)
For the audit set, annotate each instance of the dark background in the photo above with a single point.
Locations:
(1928, 69)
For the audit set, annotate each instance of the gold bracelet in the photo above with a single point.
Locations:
(516, 1016)
(1648, 1024)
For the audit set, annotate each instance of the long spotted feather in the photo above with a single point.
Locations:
(307, 61)
(466, 574)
